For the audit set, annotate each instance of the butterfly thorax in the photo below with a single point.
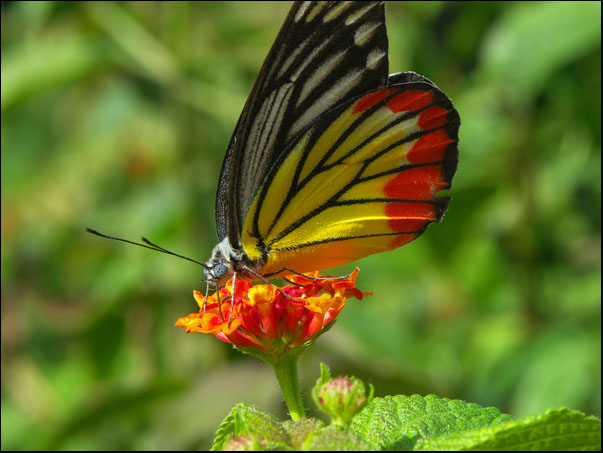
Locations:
(225, 261)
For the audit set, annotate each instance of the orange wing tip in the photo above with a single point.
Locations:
(271, 321)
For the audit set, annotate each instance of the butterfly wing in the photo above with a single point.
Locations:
(325, 53)
(360, 180)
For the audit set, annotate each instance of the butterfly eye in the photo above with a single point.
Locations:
(219, 270)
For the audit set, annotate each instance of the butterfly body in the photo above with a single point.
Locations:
(332, 158)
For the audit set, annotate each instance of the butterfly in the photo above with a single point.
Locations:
(332, 158)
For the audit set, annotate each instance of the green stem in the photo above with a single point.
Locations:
(286, 373)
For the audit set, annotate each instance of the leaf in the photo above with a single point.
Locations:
(144, 48)
(399, 422)
(265, 430)
(335, 438)
(300, 430)
(556, 429)
(535, 39)
(246, 420)
(56, 61)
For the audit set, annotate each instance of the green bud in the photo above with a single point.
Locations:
(340, 398)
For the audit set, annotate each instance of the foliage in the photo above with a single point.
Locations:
(116, 116)
(413, 423)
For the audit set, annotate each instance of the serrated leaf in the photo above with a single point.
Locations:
(559, 429)
(335, 438)
(399, 422)
(246, 420)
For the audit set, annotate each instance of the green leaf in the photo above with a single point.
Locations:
(399, 422)
(413, 423)
(28, 70)
(246, 420)
(533, 40)
(556, 429)
(335, 438)
(325, 374)
(300, 430)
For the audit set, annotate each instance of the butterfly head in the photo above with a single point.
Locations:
(220, 266)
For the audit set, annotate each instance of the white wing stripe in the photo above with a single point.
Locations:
(302, 10)
(337, 91)
(374, 56)
(364, 33)
(360, 13)
(335, 11)
(315, 78)
(316, 11)
(307, 61)
(292, 58)
(269, 117)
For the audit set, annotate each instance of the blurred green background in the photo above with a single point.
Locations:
(117, 117)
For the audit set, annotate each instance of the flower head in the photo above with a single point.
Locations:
(270, 321)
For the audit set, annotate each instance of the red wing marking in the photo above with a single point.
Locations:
(429, 148)
(409, 100)
(401, 240)
(400, 213)
(416, 183)
(371, 100)
(432, 117)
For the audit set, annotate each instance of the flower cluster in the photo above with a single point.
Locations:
(271, 321)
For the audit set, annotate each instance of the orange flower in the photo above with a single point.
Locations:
(270, 321)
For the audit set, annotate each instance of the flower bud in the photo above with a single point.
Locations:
(245, 443)
(341, 398)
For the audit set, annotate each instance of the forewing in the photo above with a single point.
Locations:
(324, 54)
(362, 179)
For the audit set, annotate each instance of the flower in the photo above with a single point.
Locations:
(270, 321)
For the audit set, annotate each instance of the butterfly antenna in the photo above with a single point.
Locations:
(146, 241)
(149, 246)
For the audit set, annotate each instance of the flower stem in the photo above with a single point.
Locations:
(286, 373)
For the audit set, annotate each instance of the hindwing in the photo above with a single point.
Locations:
(362, 179)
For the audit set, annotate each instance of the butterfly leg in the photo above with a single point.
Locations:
(232, 296)
(206, 296)
(259, 276)
(219, 303)
(263, 278)
(291, 271)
